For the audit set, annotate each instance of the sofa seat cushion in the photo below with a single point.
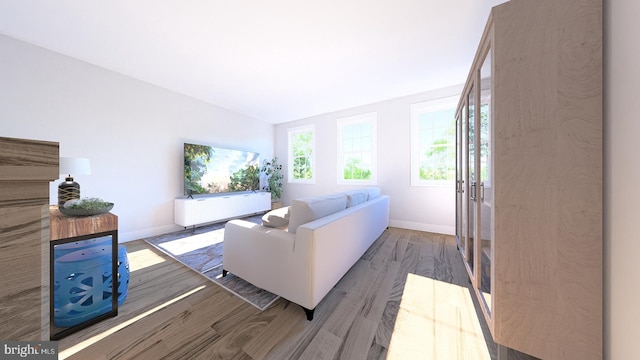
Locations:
(276, 218)
(356, 197)
(306, 210)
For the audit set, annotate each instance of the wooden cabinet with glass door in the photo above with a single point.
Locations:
(529, 177)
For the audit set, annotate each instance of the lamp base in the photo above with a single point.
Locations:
(68, 190)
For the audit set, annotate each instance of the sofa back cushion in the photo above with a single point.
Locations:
(306, 210)
(355, 197)
(374, 192)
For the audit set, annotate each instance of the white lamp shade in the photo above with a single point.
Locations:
(74, 166)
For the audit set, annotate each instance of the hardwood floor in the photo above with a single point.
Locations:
(407, 298)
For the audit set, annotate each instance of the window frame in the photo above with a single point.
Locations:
(372, 119)
(291, 133)
(430, 106)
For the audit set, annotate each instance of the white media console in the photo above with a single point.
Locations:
(188, 212)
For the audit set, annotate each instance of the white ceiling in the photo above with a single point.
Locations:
(277, 60)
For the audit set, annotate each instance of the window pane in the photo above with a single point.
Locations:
(356, 148)
(433, 141)
(301, 142)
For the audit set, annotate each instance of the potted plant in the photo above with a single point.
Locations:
(272, 170)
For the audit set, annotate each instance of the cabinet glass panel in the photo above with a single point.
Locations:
(461, 173)
(485, 192)
(464, 188)
(472, 193)
(459, 183)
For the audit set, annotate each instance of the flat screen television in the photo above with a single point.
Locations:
(211, 170)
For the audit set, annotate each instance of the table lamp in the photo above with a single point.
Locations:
(69, 189)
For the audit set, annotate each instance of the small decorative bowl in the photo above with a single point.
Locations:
(86, 212)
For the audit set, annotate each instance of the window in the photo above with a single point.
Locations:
(357, 156)
(301, 154)
(433, 138)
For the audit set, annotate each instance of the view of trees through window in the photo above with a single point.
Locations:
(485, 136)
(301, 145)
(437, 156)
(433, 146)
(353, 169)
(433, 140)
(357, 148)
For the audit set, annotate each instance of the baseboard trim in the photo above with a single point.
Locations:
(141, 234)
(438, 229)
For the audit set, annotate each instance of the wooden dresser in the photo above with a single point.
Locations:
(26, 169)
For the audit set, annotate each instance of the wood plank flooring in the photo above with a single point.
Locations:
(408, 297)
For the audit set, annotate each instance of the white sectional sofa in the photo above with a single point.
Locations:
(314, 243)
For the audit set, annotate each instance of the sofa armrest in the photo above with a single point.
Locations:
(245, 232)
(266, 258)
(244, 241)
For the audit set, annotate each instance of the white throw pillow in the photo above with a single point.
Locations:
(309, 209)
(355, 197)
(276, 218)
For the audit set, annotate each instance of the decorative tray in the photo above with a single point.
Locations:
(86, 212)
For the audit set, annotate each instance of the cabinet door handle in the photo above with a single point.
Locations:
(473, 194)
(482, 191)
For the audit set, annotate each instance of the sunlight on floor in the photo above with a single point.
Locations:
(141, 259)
(193, 242)
(84, 344)
(436, 320)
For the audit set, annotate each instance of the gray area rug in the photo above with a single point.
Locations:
(201, 250)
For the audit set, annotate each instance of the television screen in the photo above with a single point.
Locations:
(210, 170)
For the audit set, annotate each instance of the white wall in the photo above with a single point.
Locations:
(622, 179)
(131, 131)
(419, 208)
